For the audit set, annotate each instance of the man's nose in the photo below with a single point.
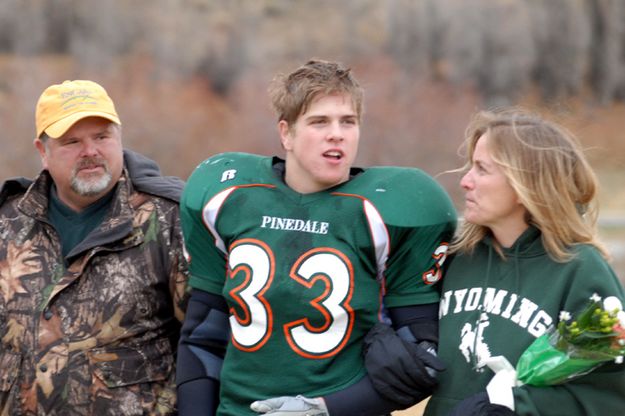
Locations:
(89, 148)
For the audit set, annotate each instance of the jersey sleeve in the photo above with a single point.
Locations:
(202, 199)
(420, 219)
(602, 391)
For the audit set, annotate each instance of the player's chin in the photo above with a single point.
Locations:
(334, 179)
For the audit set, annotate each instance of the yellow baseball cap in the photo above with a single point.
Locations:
(62, 105)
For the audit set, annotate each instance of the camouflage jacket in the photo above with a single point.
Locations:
(95, 334)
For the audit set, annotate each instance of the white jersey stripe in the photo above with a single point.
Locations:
(381, 239)
(209, 215)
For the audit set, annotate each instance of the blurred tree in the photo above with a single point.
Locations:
(7, 9)
(99, 31)
(206, 38)
(412, 34)
(508, 53)
(608, 52)
(562, 34)
(24, 25)
(498, 47)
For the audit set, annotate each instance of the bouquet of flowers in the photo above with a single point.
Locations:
(575, 346)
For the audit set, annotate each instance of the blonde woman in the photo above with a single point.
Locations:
(526, 251)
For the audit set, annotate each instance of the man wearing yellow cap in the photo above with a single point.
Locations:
(92, 272)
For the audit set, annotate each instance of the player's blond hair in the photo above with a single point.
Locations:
(546, 167)
(292, 94)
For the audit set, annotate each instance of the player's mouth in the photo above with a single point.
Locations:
(333, 154)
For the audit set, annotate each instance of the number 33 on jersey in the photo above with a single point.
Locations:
(306, 276)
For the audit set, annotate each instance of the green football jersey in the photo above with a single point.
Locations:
(307, 275)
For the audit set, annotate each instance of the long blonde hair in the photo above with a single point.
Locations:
(545, 165)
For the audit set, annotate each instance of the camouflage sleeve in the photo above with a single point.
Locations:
(178, 272)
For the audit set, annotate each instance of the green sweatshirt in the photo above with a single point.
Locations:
(492, 306)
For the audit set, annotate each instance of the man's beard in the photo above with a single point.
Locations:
(92, 185)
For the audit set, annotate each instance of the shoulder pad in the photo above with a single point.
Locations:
(405, 196)
(225, 170)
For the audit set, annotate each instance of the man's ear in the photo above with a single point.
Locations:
(286, 137)
(41, 147)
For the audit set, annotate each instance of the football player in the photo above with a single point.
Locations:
(299, 267)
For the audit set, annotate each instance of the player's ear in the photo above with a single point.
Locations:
(286, 138)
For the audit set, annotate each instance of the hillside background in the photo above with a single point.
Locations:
(189, 77)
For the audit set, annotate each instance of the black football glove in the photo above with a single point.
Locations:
(399, 369)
